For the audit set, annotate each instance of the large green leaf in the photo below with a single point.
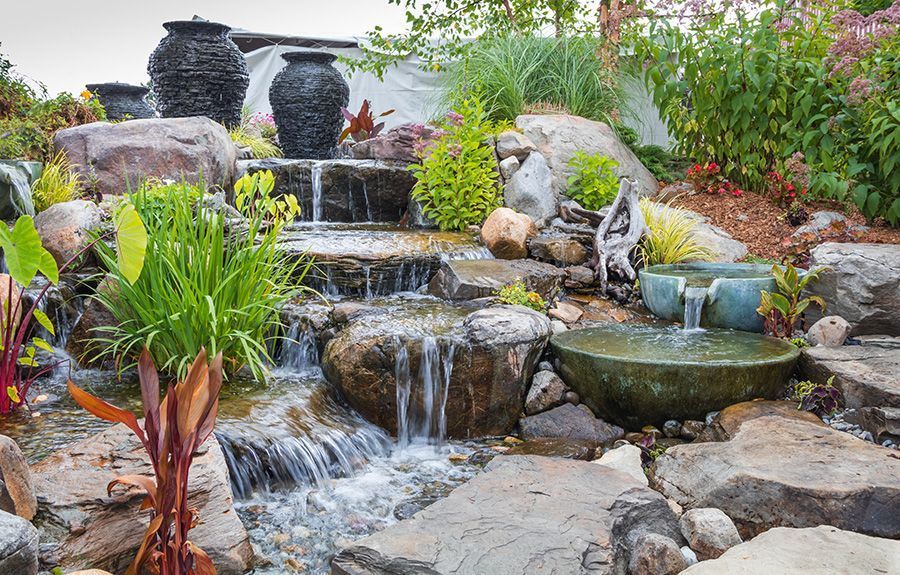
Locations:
(131, 243)
(24, 252)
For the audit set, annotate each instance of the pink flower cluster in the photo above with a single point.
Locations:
(859, 35)
(263, 120)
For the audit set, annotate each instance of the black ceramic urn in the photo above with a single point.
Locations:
(198, 71)
(306, 98)
(122, 101)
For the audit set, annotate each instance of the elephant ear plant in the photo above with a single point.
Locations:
(782, 309)
(173, 430)
(25, 257)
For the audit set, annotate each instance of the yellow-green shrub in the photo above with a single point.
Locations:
(58, 183)
(671, 238)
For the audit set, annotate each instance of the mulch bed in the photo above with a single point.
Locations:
(762, 226)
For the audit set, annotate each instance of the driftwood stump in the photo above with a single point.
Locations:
(617, 234)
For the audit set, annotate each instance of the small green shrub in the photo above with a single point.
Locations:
(517, 294)
(456, 179)
(594, 183)
(821, 399)
(58, 183)
(664, 166)
(800, 342)
(671, 237)
(783, 308)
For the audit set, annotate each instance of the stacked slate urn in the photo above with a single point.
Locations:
(306, 98)
(123, 101)
(198, 71)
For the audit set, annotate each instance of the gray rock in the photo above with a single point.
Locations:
(570, 396)
(862, 286)
(709, 532)
(580, 277)
(671, 428)
(90, 324)
(866, 374)
(558, 137)
(113, 157)
(65, 229)
(545, 366)
(656, 554)
(725, 248)
(18, 546)
(830, 331)
(529, 190)
(558, 326)
(627, 459)
(567, 420)
(809, 551)
(16, 488)
(558, 249)
(546, 391)
(508, 167)
(471, 279)
(470, 531)
(514, 144)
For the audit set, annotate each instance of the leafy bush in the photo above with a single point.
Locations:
(671, 238)
(456, 179)
(821, 399)
(783, 308)
(517, 294)
(514, 75)
(594, 183)
(29, 135)
(362, 125)
(708, 178)
(204, 285)
(173, 431)
(664, 166)
(58, 183)
(258, 133)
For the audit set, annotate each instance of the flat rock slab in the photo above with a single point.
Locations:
(81, 527)
(728, 421)
(471, 279)
(786, 472)
(811, 551)
(868, 374)
(524, 514)
(557, 447)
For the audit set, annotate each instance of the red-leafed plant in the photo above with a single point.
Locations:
(173, 430)
(362, 125)
(708, 178)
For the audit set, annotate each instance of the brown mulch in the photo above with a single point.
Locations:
(762, 226)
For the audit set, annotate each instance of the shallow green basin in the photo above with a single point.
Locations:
(636, 375)
(732, 292)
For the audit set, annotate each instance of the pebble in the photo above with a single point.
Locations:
(572, 397)
(689, 555)
(671, 428)
(545, 366)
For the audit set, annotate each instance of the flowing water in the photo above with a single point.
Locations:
(431, 383)
(694, 297)
(317, 207)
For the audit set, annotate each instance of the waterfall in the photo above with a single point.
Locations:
(366, 198)
(19, 188)
(422, 402)
(317, 207)
(299, 349)
(693, 306)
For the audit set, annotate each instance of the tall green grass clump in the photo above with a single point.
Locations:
(205, 283)
(514, 75)
(58, 183)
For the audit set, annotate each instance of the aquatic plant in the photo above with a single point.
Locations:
(671, 238)
(517, 294)
(819, 398)
(253, 198)
(594, 183)
(362, 125)
(783, 308)
(58, 183)
(208, 282)
(173, 430)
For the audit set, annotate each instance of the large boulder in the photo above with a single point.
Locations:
(558, 137)
(524, 514)
(18, 546)
(862, 285)
(572, 422)
(397, 144)
(815, 550)
(112, 158)
(529, 190)
(506, 234)
(727, 422)
(867, 374)
(777, 471)
(65, 228)
(16, 488)
(83, 527)
(470, 279)
(484, 359)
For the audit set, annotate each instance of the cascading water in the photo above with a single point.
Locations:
(422, 401)
(299, 349)
(317, 207)
(693, 306)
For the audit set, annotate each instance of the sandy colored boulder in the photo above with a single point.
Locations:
(506, 234)
(830, 331)
(709, 532)
(65, 228)
(16, 488)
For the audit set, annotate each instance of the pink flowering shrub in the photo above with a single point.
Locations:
(708, 178)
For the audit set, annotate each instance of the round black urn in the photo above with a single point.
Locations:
(198, 71)
(306, 98)
(122, 101)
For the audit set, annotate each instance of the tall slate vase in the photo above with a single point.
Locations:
(122, 101)
(198, 71)
(306, 98)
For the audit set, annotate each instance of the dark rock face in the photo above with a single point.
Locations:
(573, 422)
(123, 101)
(18, 546)
(198, 71)
(350, 190)
(471, 279)
(306, 98)
(602, 511)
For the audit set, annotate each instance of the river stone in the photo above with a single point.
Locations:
(830, 331)
(16, 488)
(85, 528)
(556, 447)
(559, 137)
(18, 546)
(573, 422)
(777, 471)
(862, 285)
(546, 391)
(627, 459)
(866, 374)
(508, 167)
(506, 232)
(811, 551)
(567, 312)
(709, 532)
(558, 249)
(495, 351)
(728, 421)
(472, 279)
(112, 158)
(507, 521)
(65, 228)
(656, 554)
(529, 190)
(514, 144)
(352, 190)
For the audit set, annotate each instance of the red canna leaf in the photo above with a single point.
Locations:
(104, 410)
